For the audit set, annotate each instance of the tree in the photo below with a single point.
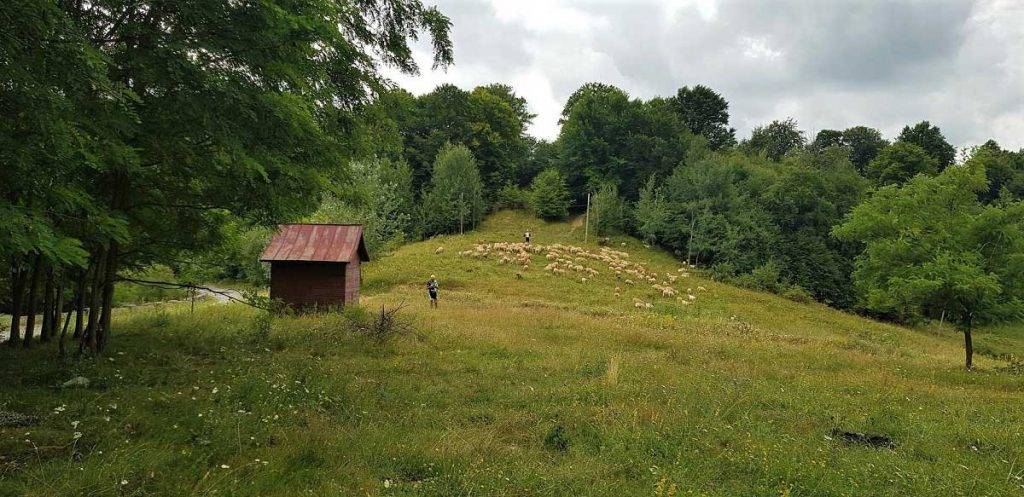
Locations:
(382, 201)
(157, 119)
(899, 162)
(490, 120)
(609, 212)
(707, 212)
(864, 143)
(932, 250)
(454, 199)
(608, 138)
(828, 138)
(930, 138)
(586, 91)
(705, 112)
(814, 191)
(548, 195)
(775, 139)
(1004, 169)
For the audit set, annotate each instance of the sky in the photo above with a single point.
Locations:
(828, 64)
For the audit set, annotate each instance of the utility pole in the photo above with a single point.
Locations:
(586, 224)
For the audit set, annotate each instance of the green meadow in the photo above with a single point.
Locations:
(534, 384)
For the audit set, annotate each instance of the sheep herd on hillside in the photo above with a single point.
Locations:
(576, 262)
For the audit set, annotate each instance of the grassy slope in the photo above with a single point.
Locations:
(735, 395)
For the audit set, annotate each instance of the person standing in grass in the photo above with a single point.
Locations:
(432, 290)
(526, 236)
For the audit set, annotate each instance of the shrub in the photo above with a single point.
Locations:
(609, 211)
(549, 197)
(510, 197)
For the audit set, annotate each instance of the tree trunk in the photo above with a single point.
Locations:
(108, 297)
(59, 322)
(17, 291)
(30, 310)
(969, 345)
(48, 303)
(83, 276)
(89, 336)
(67, 319)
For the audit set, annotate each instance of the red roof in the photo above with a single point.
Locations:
(317, 243)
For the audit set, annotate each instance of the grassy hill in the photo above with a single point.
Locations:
(536, 386)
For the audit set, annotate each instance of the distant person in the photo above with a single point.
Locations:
(432, 290)
(526, 236)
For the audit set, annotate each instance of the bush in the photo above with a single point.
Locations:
(549, 197)
(610, 213)
(510, 197)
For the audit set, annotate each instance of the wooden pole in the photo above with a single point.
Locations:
(586, 223)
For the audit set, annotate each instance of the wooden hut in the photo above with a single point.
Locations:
(316, 265)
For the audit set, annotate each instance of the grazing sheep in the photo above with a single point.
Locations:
(630, 282)
(439, 250)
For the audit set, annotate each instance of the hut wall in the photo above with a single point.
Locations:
(309, 284)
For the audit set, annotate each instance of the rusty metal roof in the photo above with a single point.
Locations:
(317, 243)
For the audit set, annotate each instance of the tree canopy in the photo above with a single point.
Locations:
(933, 250)
(929, 138)
(704, 112)
(775, 139)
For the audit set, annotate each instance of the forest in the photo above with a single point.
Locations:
(176, 135)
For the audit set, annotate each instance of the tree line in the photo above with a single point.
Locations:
(805, 218)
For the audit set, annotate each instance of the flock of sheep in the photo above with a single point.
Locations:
(575, 262)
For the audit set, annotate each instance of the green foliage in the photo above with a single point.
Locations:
(511, 197)
(827, 138)
(134, 131)
(766, 227)
(490, 121)
(864, 144)
(706, 113)
(608, 138)
(707, 212)
(898, 163)
(933, 250)
(1004, 170)
(609, 213)
(549, 198)
(139, 293)
(775, 139)
(929, 138)
(454, 199)
(382, 201)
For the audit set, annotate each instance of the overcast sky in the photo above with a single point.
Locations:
(828, 64)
